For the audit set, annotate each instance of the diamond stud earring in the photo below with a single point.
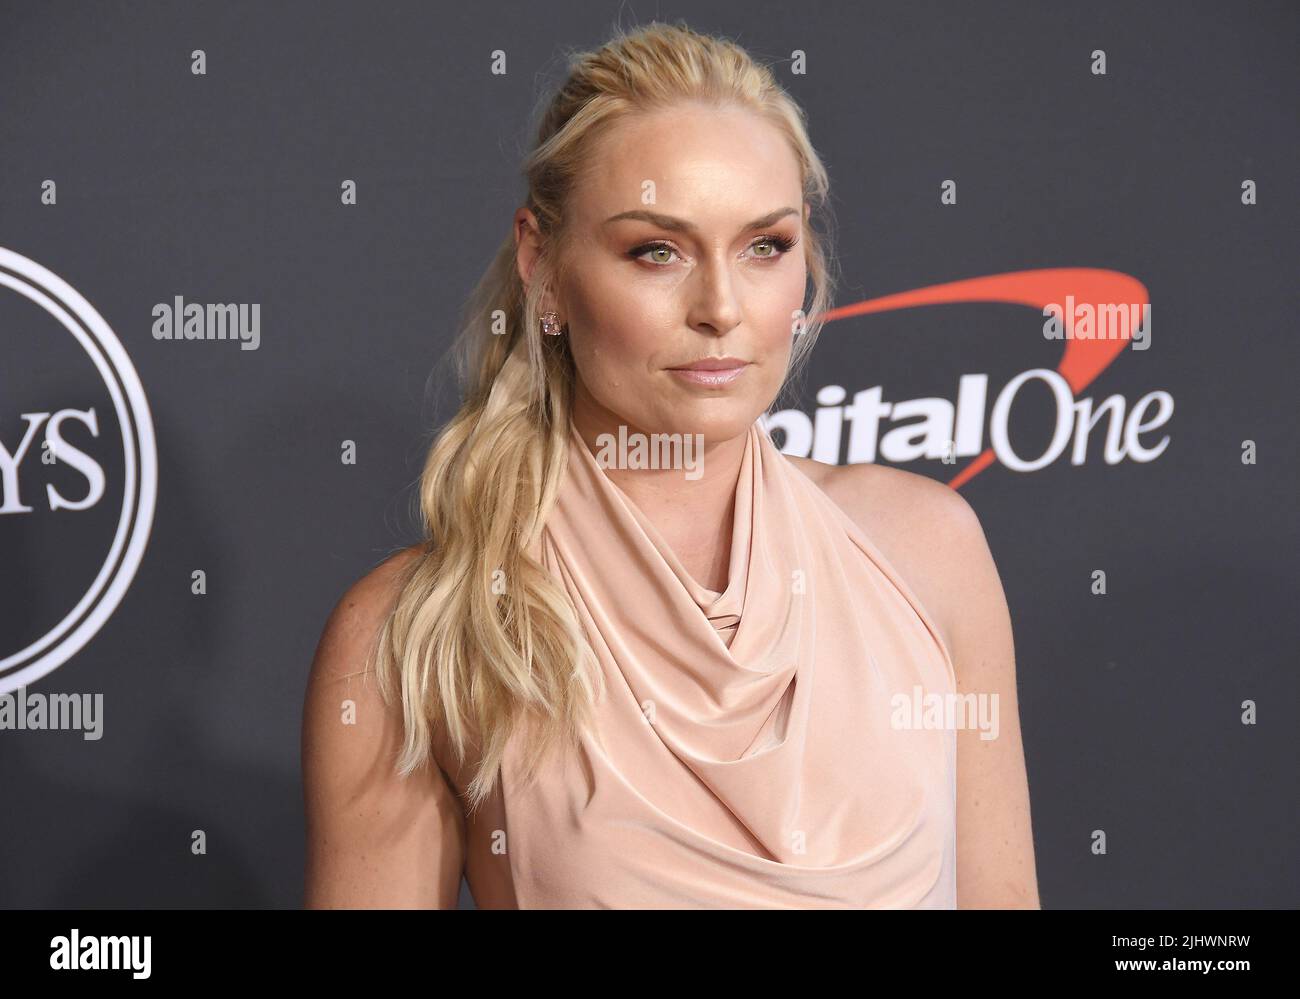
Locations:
(551, 324)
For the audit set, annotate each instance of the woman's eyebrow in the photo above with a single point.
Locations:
(681, 225)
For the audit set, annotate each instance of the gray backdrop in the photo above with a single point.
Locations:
(225, 188)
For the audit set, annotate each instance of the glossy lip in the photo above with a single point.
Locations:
(712, 364)
(712, 371)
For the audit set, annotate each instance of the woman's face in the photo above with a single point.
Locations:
(694, 269)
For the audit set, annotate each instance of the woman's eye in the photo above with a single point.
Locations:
(776, 246)
(779, 246)
(641, 251)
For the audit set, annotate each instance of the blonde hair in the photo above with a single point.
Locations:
(477, 661)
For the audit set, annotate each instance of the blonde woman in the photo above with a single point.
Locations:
(690, 685)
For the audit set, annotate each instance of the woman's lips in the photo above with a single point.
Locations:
(700, 376)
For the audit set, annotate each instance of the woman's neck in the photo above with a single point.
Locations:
(694, 514)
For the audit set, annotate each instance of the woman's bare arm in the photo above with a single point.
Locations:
(374, 840)
(995, 843)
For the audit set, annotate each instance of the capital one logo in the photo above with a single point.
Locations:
(953, 431)
(78, 471)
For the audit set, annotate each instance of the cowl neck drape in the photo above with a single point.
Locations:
(749, 755)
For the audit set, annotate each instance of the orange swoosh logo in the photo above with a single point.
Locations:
(1082, 360)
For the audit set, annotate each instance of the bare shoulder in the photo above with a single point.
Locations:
(360, 612)
(923, 527)
(374, 837)
(890, 500)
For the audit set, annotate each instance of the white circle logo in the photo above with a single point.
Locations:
(93, 605)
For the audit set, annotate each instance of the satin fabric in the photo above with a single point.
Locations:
(750, 753)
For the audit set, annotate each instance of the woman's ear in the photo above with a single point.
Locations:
(528, 244)
(528, 250)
